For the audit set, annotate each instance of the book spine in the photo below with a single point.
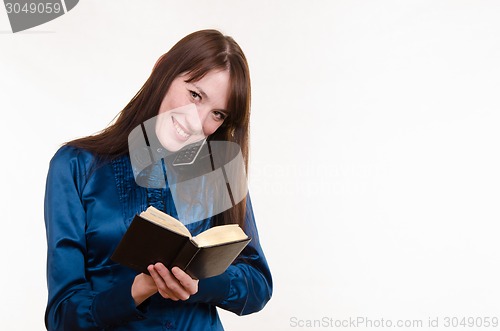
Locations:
(185, 256)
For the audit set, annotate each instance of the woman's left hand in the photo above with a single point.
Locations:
(175, 285)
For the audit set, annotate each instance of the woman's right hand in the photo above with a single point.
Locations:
(142, 288)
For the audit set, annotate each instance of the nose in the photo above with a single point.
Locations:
(193, 121)
(203, 113)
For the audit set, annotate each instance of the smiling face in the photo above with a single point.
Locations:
(191, 111)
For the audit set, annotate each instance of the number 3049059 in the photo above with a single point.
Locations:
(33, 8)
(470, 322)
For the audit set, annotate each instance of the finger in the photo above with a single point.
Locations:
(171, 282)
(163, 289)
(189, 284)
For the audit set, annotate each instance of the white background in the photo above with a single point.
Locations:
(375, 146)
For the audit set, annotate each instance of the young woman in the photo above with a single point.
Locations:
(92, 196)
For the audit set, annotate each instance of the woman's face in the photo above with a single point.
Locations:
(192, 111)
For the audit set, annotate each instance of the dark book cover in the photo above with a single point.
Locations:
(147, 243)
(209, 261)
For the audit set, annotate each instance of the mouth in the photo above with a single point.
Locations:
(180, 129)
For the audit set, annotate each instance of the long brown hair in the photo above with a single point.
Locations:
(196, 54)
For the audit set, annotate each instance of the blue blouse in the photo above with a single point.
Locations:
(87, 210)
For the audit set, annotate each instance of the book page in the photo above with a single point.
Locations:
(156, 216)
(219, 235)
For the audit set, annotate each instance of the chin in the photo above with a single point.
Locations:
(170, 145)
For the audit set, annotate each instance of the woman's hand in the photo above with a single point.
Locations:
(142, 288)
(175, 285)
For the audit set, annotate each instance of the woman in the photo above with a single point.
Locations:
(92, 196)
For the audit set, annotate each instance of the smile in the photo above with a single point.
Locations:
(180, 130)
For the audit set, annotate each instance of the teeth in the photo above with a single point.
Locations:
(180, 131)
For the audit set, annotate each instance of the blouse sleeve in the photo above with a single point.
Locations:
(72, 304)
(246, 286)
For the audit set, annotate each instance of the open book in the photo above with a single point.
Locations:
(154, 236)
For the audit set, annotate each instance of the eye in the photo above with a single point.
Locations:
(196, 96)
(219, 116)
